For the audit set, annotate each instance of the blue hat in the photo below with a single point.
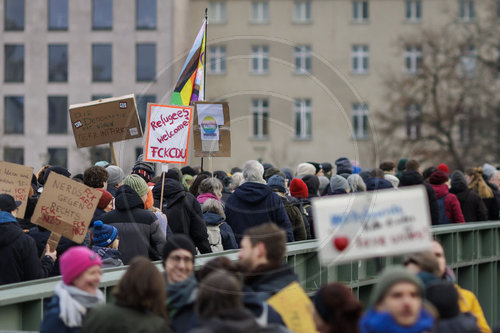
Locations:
(277, 182)
(104, 235)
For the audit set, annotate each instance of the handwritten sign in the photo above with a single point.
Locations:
(105, 121)
(15, 179)
(167, 134)
(372, 224)
(66, 207)
(294, 306)
(211, 129)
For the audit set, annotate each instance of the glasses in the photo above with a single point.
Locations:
(178, 259)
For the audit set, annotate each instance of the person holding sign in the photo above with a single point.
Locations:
(19, 260)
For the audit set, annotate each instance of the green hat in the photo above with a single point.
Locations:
(137, 184)
(389, 277)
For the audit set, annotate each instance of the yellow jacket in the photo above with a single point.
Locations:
(468, 302)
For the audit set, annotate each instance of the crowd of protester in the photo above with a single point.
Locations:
(143, 217)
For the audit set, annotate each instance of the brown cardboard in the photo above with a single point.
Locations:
(224, 134)
(66, 207)
(105, 121)
(15, 179)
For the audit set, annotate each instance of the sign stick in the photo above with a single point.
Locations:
(164, 169)
(113, 154)
(53, 241)
(211, 164)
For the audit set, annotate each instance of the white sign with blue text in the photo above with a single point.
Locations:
(372, 224)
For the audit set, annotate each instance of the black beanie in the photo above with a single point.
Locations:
(178, 241)
(57, 169)
(444, 296)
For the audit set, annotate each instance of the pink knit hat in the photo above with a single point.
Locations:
(75, 261)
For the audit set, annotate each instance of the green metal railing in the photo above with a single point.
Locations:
(472, 251)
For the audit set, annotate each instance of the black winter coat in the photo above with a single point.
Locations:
(183, 213)
(139, 230)
(463, 323)
(265, 281)
(473, 207)
(19, 259)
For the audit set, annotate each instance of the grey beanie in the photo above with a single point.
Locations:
(116, 175)
(277, 182)
(389, 277)
(488, 170)
(339, 182)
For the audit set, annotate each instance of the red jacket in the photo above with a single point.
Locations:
(451, 203)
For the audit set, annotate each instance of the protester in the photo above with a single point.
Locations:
(485, 192)
(19, 258)
(115, 179)
(339, 185)
(145, 170)
(236, 180)
(195, 187)
(140, 231)
(356, 183)
(254, 203)
(96, 177)
(312, 183)
(298, 190)
(210, 188)
(139, 303)
(305, 169)
(389, 169)
(473, 208)
(106, 241)
(220, 234)
(76, 293)
(449, 207)
(344, 167)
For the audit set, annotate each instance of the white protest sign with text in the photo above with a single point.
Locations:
(372, 224)
(15, 179)
(168, 129)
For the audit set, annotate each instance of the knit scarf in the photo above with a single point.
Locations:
(74, 302)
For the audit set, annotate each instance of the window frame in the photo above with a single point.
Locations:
(302, 59)
(413, 56)
(93, 49)
(260, 116)
(259, 13)
(413, 10)
(259, 57)
(59, 115)
(360, 53)
(138, 64)
(217, 60)
(302, 11)
(413, 113)
(466, 10)
(149, 26)
(50, 11)
(66, 74)
(13, 72)
(303, 118)
(360, 11)
(7, 27)
(360, 122)
(93, 17)
(18, 125)
(218, 12)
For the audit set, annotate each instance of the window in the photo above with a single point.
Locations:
(413, 121)
(260, 114)
(303, 121)
(13, 15)
(302, 13)
(467, 61)
(360, 59)
(58, 63)
(303, 59)
(217, 60)
(142, 105)
(360, 11)
(102, 14)
(260, 59)
(13, 155)
(145, 62)
(13, 63)
(145, 14)
(138, 152)
(217, 12)
(466, 11)
(413, 10)
(360, 120)
(13, 115)
(58, 156)
(413, 58)
(260, 11)
(99, 154)
(463, 131)
(101, 63)
(58, 14)
(58, 114)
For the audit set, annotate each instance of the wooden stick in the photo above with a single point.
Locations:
(53, 241)
(162, 187)
(113, 154)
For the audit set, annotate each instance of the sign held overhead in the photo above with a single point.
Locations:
(15, 179)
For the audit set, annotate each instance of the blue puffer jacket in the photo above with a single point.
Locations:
(226, 233)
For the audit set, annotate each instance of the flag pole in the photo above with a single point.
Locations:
(205, 65)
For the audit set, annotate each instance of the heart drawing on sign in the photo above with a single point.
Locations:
(341, 243)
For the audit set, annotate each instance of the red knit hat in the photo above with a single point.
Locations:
(105, 199)
(443, 167)
(298, 189)
(439, 177)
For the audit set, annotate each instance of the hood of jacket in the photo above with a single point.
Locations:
(212, 218)
(252, 193)
(234, 320)
(373, 184)
(9, 229)
(173, 191)
(127, 198)
(411, 177)
(440, 190)
(458, 182)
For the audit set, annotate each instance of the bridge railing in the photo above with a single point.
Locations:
(472, 251)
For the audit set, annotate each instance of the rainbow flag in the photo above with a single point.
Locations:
(189, 87)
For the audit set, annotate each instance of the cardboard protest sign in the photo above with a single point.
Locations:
(294, 306)
(15, 179)
(211, 129)
(167, 133)
(105, 121)
(66, 207)
(372, 224)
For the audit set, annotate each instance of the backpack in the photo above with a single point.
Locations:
(215, 238)
(443, 218)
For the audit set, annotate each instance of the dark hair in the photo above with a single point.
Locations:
(216, 265)
(412, 165)
(377, 173)
(142, 286)
(211, 185)
(273, 237)
(428, 172)
(387, 166)
(223, 177)
(271, 172)
(194, 189)
(426, 262)
(40, 176)
(218, 293)
(95, 176)
(338, 307)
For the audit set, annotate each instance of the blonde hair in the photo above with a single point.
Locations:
(478, 184)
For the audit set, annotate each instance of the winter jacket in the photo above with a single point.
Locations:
(253, 204)
(382, 322)
(451, 204)
(109, 257)
(51, 321)
(473, 208)
(373, 184)
(139, 229)
(409, 178)
(180, 304)
(463, 323)
(267, 280)
(307, 216)
(226, 233)
(121, 318)
(468, 302)
(205, 196)
(183, 213)
(296, 219)
(234, 321)
(19, 259)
